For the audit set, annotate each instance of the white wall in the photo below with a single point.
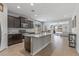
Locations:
(64, 24)
(65, 28)
(76, 30)
(3, 22)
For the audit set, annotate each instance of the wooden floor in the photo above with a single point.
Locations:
(57, 47)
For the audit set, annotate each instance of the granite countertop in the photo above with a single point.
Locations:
(37, 35)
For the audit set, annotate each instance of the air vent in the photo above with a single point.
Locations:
(33, 10)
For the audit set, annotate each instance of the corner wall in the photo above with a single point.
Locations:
(76, 30)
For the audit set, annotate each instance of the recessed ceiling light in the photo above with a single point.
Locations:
(32, 4)
(18, 7)
(35, 15)
(65, 15)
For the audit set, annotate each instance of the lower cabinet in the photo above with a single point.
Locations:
(14, 39)
(27, 44)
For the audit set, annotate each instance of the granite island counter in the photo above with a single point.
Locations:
(36, 42)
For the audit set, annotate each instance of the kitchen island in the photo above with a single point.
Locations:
(36, 42)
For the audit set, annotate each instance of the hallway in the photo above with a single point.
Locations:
(57, 47)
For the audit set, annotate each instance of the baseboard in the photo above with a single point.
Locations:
(40, 49)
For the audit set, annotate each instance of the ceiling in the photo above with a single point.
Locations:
(43, 11)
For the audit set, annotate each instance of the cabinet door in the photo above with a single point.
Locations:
(14, 22)
(22, 20)
(30, 24)
(27, 43)
(10, 22)
(14, 39)
(17, 23)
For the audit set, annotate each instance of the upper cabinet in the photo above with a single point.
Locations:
(25, 23)
(13, 22)
(10, 22)
(19, 22)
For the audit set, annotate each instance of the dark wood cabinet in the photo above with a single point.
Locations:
(13, 22)
(14, 39)
(10, 22)
(22, 19)
(17, 23)
(72, 40)
(29, 24)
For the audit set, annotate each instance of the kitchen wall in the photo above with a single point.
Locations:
(65, 25)
(76, 30)
(3, 22)
(13, 14)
